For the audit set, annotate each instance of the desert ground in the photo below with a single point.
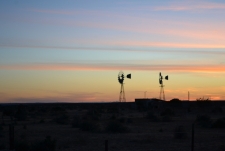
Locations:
(158, 126)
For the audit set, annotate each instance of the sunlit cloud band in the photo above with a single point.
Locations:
(70, 66)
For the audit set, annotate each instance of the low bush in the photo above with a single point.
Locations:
(152, 117)
(167, 118)
(21, 113)
(180, 132)
(76, 122)
(122, 120)
(129, 120)
(62, 119)
(219, 123)
(116, 127)
(2, 146)
(161, 130)
(48, 144)
(89, 126)
(1, 130)
(167, 112)
(217, 110)
(22, 146)
(175, 100)
(58, 109)
(113, 117)
(221, 148)
(42, 121)
(93, 114)
(204, 121)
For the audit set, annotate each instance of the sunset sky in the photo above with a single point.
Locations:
(72, 50)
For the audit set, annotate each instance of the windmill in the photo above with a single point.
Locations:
(162, 94)
(122, 97)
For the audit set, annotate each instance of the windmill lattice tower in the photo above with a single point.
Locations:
(161, 93)
(122, 97)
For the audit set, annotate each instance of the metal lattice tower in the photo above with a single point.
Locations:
(161, 93)
(122, 97)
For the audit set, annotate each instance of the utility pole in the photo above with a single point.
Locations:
(145, 94)
(188, 96)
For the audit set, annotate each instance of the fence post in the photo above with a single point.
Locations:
(11, 137)
(106, 145)
(193, 137)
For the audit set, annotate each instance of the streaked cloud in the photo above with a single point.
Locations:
(157, 47)
(114, 66)
(213, 34)
(63, 97)
(48, 11)
(164, 44)
(210, 31)
(190, 5)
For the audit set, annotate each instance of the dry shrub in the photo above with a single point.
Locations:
(93, 115)
(167, 112)
(116, 127)
(62, 119)
(1, 130)
(48, 144)
(152, 117)
(204, 121)
(22, 146)
(167, 118)
(219, 123)
(89, 126)
(180, 132)
(76, 122)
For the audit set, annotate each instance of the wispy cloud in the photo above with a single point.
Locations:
(190, 5)
(110, 44)
(165, 44)
(50, 11)
(133, 46)
(151, 25)
(114, 66)
(70, 12)
(213, 34)
(64, 97)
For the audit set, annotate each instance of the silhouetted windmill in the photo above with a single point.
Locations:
(122, 97)
(162, 94)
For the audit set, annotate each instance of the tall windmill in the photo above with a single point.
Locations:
(161, 93)
(122, 97)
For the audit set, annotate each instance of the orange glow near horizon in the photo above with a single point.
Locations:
(101, 86)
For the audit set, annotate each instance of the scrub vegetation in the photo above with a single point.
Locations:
(127, 126)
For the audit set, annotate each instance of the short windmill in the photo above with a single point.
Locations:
(161, 93)
(122, 97)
